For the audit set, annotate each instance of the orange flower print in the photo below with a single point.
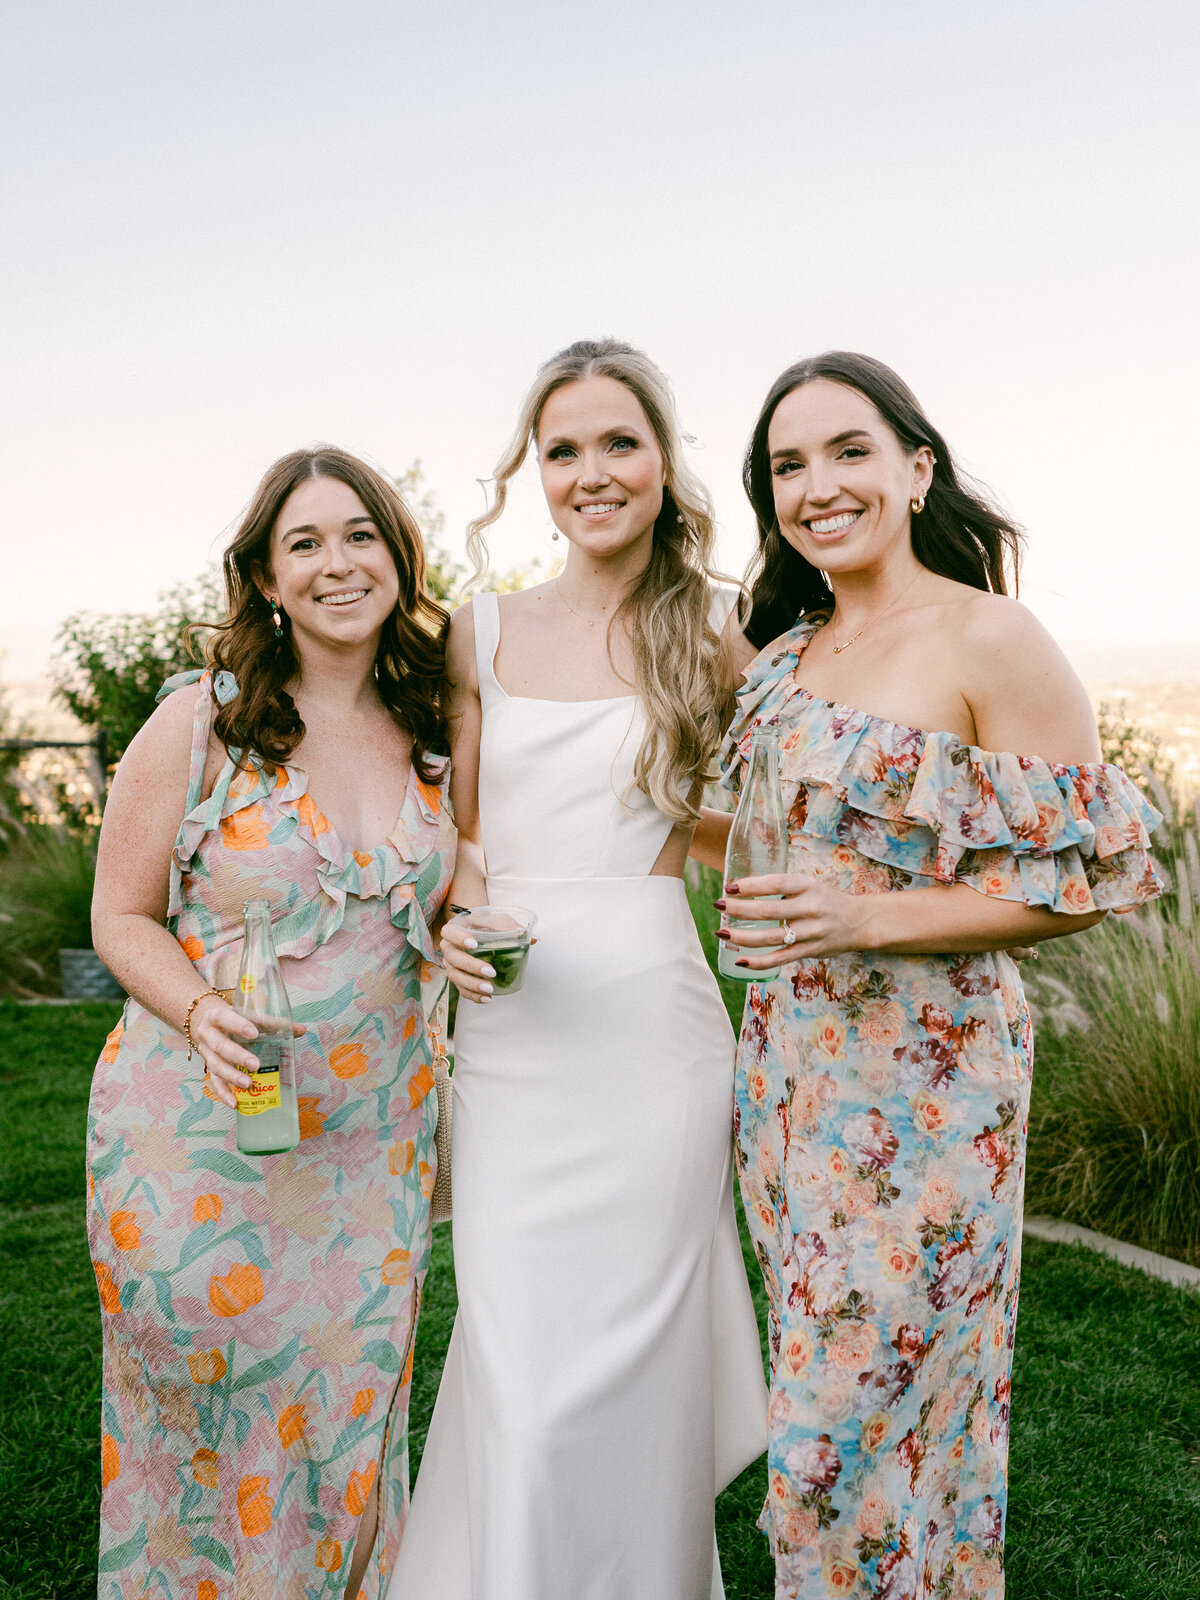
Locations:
(840, 1572)
(363, 1401)
(829, 1037)
(309, 815)
(207, 1208)
(363, 859)
(410, 1027)
(110, 1297)
(312, 1121)
(126, 1234)
(406, 1375)
(395, 1267)
(852, 1346)
(358, 1489)
(256, 1508)
(328, 1555)
(431, 795)
(291, 1425)
(206, 1589)
(245, 830)
(400, 1158)
(420, 1084)
(931, 1113)
(237, 1291)
(192, 947)
(797, 1351)
(348, 1060)
(110, 1460)
(206, 1366)
(876, 1429)
(112, 1044)
(425, 1172)
(1077, 896)
(204, 1468)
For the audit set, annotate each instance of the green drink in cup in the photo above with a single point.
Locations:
(502, 936)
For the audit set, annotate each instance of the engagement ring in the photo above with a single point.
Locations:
(790, 933)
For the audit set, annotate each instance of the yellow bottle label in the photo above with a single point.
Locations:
(262, 1095)
(248, 983)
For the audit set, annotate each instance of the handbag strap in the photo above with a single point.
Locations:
(437, 1021)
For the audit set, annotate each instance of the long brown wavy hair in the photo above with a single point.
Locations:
(960, 533)
(262, 719)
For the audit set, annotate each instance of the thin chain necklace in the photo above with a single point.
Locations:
(838, 648)
(582, 615)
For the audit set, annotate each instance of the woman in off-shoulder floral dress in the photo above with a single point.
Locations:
(883, 1092)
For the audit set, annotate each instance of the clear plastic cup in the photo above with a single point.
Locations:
(502, 937)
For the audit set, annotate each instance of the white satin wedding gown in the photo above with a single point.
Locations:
(604, 1379)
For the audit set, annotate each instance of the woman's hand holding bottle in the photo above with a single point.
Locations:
(218, 1031)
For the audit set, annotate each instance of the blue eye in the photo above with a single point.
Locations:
(560, 452)
(624, 442)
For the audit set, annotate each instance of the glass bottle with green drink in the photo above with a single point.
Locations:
(757, 847)
(268, 1120)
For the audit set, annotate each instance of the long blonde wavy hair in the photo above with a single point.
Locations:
(680, 674)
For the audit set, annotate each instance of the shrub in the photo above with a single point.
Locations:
(45, 905)
(109, 668)
(1114, 1131)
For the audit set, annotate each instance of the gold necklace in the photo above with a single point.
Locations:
(582, 615)
(838, 648)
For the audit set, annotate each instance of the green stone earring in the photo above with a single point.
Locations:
(277, 619)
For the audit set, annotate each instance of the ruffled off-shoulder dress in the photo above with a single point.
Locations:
(881, 1109)
(259, 1311)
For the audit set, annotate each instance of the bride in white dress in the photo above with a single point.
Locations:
(604, 1379)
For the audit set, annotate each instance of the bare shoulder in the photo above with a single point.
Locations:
(165, 738)
(1023, 693)
(521, 603)
(739, 651)
(460, 649)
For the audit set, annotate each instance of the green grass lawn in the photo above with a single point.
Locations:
(1106, 1394)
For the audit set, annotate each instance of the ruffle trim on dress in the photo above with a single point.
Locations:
(405, 868)
(1069, 838)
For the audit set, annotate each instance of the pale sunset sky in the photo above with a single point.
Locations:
(234, 228)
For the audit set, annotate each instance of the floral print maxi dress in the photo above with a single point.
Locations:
(259, 1311)
(881, 1106)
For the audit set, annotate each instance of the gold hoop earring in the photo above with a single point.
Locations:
(917, 506)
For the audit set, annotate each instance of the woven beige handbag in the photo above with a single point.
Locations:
(444, 1090)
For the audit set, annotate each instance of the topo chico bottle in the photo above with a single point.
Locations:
(268, 1120)
(758, 846)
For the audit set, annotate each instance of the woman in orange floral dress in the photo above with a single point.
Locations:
(259, 1312)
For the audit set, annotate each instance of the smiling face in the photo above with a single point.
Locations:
(331, 568)
(842, 480)
(601, 466)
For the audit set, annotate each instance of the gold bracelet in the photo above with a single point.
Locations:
(187, 1021)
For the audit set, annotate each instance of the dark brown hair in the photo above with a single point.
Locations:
(960, 533)
(410, 660)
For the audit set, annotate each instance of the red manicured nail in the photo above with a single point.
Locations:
(731, 888)
(720, 904)
(722, 933)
